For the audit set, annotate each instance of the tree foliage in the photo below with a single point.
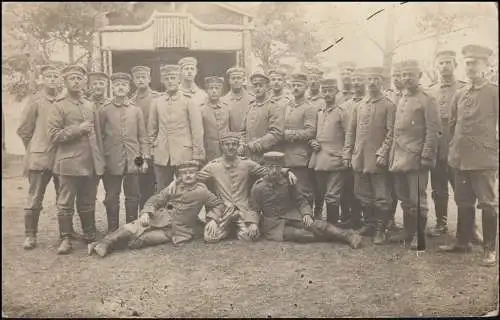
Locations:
(282, 30)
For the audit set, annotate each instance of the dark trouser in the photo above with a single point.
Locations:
(477, 185)
(83, 189)
(318, 231)
(349, 204)
(411, 189)
(394, 196)
(330, 185)
(318, 198)
(38, 181)
(374, 192)
(441, 175)
(164, 176)
(303, 183)
(147, 184)
(113, 187)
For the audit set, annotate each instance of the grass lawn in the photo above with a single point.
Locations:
(232, 278)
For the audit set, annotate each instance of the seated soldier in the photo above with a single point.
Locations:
(165, 217)
(286, 214)
(231, 176)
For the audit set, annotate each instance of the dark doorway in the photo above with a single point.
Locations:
(209, 63)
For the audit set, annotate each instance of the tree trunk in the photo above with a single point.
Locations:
(71, 52)
(389, 45)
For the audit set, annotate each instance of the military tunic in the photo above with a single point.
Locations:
(262, 127)
(238, 107)
(216, 121)
(280, 204)
(99, 101)
(144, 100)
(197, 95)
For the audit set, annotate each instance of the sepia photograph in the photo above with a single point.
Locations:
(250, 159)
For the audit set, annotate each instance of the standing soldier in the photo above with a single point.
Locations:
(328, 146)
(124, 139)
(40, 151)
(74, 129)
(215, 114)
(346, 69)
(473, 153)
(143, 98)
(350, 204)
(314, 76)
(175, 128)
(263, 124)
(189, 70)
(238, 98)
(413, 152)
(98, 82)
(286, 215)
(300, 128)
(277, 84)
(442, 174)
(370, 135)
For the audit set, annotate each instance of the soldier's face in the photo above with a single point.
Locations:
(314, 81)
(229, 148)
(397, 81)
(374, 84)
(98, 86)
(411, 78)
(346, 76)
(475, 68)
(214, 92)
(358, 84)
(298, 88)
(51, 79)
(446, 67)
(329, 93)
(171, 82)
(276, 82)
(141, 80)
(274, 171)
(260, 88)
(236, 81)
(188, 175)
(189, 72)
(75, 82)
(121, 88)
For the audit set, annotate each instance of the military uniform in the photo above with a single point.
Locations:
(216, 121)
(473, 155)
(327, 162)
(262, 126)
(172, 218)
(78, 161)
(144, 100)
(175, 130)
(283, 209)
(370, 135)
(238, 102)
(39, 157)
(197, 95)
(442, 174)
(415, 140)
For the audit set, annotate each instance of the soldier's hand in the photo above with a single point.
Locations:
(253, 230)
(210, 228)
(381, 162)
(144, 219)
(86, 127)
(242, 150)
(347, 163)
(292, 178)
(171, 188)
(308, 220)
(426, 163)
(290, 135)
(253, 147)
(315, 145)
(202, 175)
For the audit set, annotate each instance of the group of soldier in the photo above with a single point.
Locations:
(193, 162)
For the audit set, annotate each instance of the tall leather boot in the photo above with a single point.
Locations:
(110, 242)
(318, 212)
(31, 228)
(419, 234)
(368, 228)
(300, 235)
(65, 230)
(490, 226)
(131, 211)
(332, 213)
(87, 219)
(352, 237)
(382, 217)
(441, 228)
(408, 228)
(465, 222)
(113, 215)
